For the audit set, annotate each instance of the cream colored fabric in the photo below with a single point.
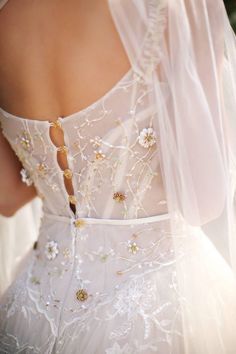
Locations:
(17, 235)
(163, 139)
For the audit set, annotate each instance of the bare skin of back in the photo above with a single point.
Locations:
(57, 57)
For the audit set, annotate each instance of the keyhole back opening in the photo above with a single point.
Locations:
(58, 139)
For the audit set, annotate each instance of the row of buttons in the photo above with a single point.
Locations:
(81, 294)
(68, 174)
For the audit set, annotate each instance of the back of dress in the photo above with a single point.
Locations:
(112, 151)
(112, 271)
(111, 148)
(108, 241)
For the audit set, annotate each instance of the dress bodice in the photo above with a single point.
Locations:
(112, 151)
(112, 147)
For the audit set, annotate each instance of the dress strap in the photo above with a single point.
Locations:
(157, 19)
(2, 3)
(141, 26)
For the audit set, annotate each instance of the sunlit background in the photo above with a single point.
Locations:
(231, 8)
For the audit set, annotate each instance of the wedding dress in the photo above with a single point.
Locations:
(124, 265)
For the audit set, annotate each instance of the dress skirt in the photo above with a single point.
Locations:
(95, 286)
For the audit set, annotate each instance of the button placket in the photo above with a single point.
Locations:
(81, 293)
(67, 171)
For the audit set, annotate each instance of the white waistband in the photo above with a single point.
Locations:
(88, 220)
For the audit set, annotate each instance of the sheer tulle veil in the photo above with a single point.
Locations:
(186, 49)
(191, 65)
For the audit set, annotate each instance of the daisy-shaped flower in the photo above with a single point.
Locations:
(51, 250)
(147, 137)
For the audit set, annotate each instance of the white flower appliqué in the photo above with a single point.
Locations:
(51, 250)
(25, 177)
(147, 137)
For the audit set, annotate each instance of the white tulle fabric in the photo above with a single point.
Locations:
(12, 250)
(168, 286)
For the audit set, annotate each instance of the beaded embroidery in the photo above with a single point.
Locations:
(109, 274)
(25, 177)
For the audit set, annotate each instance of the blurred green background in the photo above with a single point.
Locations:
(231, 8)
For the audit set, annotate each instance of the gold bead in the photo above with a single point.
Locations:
(63, 149)
(79, 223)
(72, 199)
(133, 247)
(81, 295)
(56, 124)
(68, 173)
(119, 197)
